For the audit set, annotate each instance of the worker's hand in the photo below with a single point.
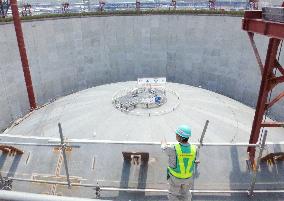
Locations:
(196, 161)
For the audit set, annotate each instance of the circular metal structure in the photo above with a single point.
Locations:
(146, 100)
(140, 97)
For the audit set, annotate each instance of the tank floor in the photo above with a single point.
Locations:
(89, 114)
(101, 133)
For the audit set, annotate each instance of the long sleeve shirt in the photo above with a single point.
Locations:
(171, 153)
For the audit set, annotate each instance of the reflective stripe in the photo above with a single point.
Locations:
(180, 171)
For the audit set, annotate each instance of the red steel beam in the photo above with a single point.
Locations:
(253, 23)
(256, 53)
(273, 81)
(277, 80)
(263, 93)
(255, 14)
(279, 67)
(275, 100)
(268, 28)
(272, 124)
(23, 54)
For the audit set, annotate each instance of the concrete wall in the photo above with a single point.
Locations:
(276, 2)
(69, 55)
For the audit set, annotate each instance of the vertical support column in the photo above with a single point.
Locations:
(201, 139)
(203, 133)
(63, 147)
(23, 54)
(265, 87)
(253, 181)
(198, 149)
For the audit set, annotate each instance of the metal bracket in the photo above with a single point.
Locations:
(136, 157)
(5, 183)
(272, 158)
(6, 149)
(98, 191)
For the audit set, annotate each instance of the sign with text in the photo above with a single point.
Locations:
(152, 81)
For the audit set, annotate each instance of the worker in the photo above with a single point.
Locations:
(182, 159)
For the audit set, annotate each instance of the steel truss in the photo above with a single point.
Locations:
(253, 23)
(4, 7)
(253, 4)
(23, 53)
(212, 4)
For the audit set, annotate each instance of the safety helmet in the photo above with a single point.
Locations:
(183, 131)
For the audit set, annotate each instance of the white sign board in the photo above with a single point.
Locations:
(152, 81)
(149, 100)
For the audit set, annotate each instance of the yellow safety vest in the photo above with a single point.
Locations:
(185, 161)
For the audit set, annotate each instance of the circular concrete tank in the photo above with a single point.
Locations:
(78, 53)
(208, 62)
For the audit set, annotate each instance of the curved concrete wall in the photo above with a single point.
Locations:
(69, 55)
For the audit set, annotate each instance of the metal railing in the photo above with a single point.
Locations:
(21, 196)
(72, 143)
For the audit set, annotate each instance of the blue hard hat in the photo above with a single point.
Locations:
(183, 131)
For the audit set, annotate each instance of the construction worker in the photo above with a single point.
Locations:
(181, 165)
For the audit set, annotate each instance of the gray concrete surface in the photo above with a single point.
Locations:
(90, 114)
(69, 55)
(227, 165)
(276, 2)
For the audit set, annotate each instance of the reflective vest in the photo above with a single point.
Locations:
(185, 157)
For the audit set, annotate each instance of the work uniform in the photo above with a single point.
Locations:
(180, 170)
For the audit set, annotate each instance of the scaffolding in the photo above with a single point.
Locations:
(4, 7)
(135, 158)
(80, 6)
(272, 72)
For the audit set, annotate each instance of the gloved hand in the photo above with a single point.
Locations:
(197, 161)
